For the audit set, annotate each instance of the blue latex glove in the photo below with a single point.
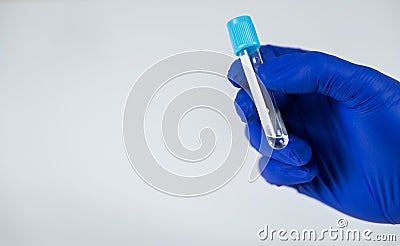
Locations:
(343, 121)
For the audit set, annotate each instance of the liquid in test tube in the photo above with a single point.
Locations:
(245, 45)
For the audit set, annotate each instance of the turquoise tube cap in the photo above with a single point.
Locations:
(243, 35)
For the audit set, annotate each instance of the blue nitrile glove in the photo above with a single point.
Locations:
(343, 121)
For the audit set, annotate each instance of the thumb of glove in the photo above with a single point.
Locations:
(353, 85)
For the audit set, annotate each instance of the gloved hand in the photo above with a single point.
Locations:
(343, 121)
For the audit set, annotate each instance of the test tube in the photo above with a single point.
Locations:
(245, 45)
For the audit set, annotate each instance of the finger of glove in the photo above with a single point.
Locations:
(279, 173)
(269, 52)
(236, 74)
(297, 153)
(313, 72)
(246, 109)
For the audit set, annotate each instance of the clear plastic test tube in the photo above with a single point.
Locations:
(245, 44)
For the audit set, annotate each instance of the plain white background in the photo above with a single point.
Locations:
(66, 68)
